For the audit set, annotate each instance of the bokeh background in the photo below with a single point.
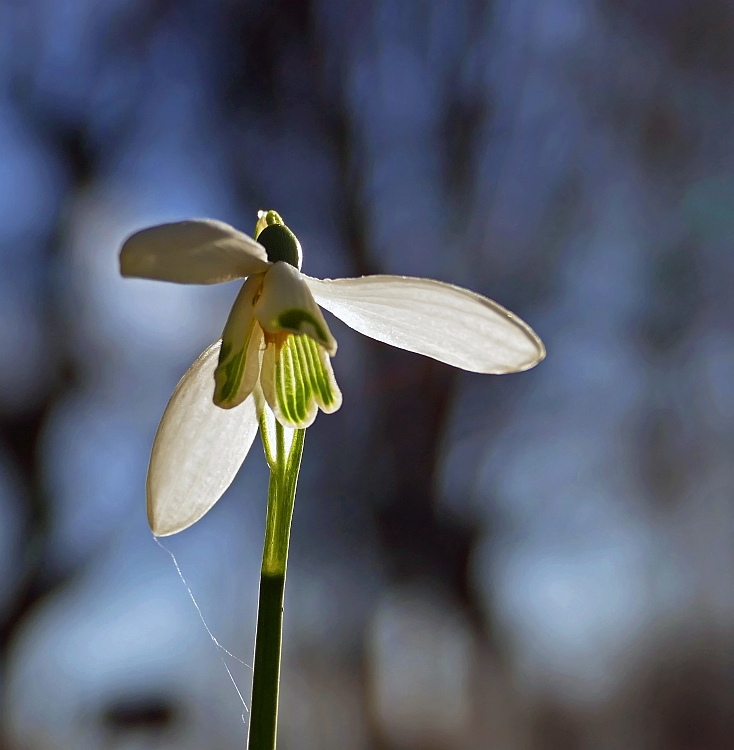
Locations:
(542, 561)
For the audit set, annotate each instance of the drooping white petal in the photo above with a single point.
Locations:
(197, 451)
(199, 251)
(442, 321)
(286, 304)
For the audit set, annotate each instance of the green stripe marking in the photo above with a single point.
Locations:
(293, 320)
(301, 379)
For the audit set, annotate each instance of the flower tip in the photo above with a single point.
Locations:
(158, 525)
(261, 223)
(132, 261)
(539, 353)
(267, 219)
(223, 397)
(222, 403)
(542, 352)
(527, 357)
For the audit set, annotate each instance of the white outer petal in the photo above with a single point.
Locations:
(439, 320)
(198, 449)
(199, 251)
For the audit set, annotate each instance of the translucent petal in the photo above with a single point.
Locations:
(297, 379)
(197, 451)
(315, 365)
(199, 251)
(286, 304)
(442, 321)
(239, 358)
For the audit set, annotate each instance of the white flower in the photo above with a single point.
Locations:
(277, 344)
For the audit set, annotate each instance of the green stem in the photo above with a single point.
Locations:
(266, 670)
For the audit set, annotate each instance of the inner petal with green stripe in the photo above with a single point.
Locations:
(297, 379)
(239, 357)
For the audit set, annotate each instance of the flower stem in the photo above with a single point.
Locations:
(266, 672)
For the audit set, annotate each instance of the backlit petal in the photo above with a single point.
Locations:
(286, 304)
(297, 379)
(239, 358)
(442, 321)
(197, 451)
(200, 251)
(315, 366)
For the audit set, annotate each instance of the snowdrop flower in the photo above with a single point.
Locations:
(276, 347)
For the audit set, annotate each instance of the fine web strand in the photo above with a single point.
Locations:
(198, 609)
(208, 630)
